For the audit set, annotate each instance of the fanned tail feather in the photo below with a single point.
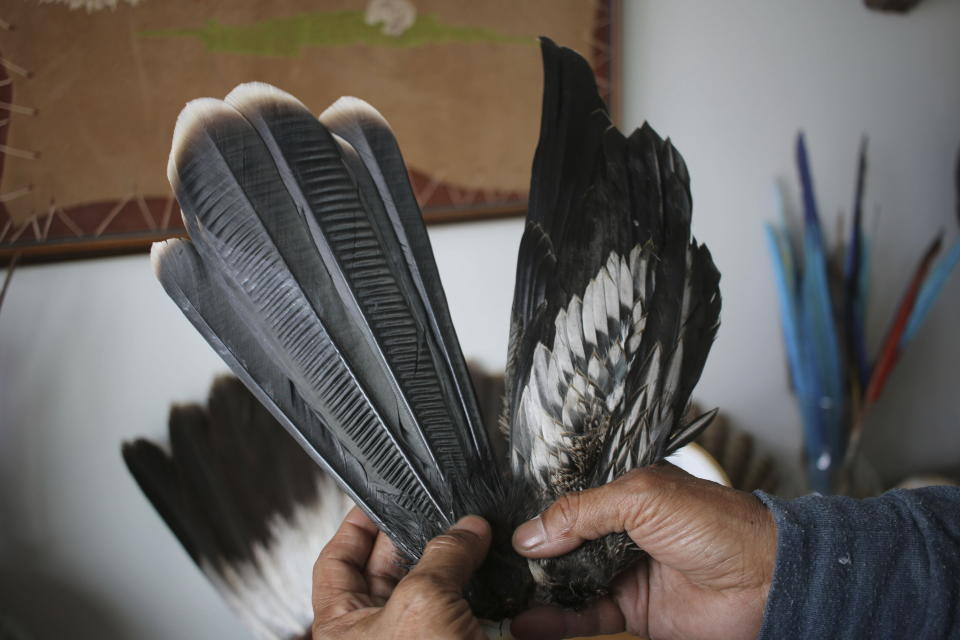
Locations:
(367, 132)
(325, 301)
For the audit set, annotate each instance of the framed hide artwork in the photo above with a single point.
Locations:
(90, 91)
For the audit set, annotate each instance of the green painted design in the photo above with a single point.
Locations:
(286, 37)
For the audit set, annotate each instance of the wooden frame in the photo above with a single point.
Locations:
(130, 219)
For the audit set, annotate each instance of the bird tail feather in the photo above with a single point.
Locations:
(309, 270)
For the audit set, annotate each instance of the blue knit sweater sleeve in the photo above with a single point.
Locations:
(886, 567)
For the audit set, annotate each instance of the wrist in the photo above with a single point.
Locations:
(764, 535)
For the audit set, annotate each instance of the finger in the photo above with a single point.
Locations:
(432, 593)
(631, 592)
(450, 559)
(649, 504)
(339, 569)
(601, 617)
(383, 570)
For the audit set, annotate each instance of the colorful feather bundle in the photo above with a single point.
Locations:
(823, 307)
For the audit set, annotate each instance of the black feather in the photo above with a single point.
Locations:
(572, 123)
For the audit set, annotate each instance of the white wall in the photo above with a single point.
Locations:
(731, 82)
(92, 352)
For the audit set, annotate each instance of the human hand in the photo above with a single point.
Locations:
(711, 557)
(360, 592)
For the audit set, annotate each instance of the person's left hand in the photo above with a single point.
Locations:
(360, 592)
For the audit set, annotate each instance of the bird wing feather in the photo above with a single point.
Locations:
(615, 307)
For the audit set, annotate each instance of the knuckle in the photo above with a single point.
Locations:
(648, 490)
(328, 630)
(320, 629)
(637, 480)
(319, 567)
(453, 623)
(566, 512)
(444, 543)
(627, 496)
(651, 481)
(333, 608)
(328, 610)
(418, 593)
(417, 586)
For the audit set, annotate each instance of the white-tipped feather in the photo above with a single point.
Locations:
(272, 593)
(189, 120)
(259, 93)
(157, 252)
(348, 110)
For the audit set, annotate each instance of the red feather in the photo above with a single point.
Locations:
(891, 344)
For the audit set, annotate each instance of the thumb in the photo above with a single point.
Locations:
(655, 506)
(428, 602)
(450, 559)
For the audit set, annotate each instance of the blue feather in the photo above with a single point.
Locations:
(816, 423)
(815, 287)
(825, 443)
(781, 255)
(825, 433)
(929, 292)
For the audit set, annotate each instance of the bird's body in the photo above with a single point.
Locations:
(310, 271)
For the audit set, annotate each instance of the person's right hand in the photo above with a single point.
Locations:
(711, 557)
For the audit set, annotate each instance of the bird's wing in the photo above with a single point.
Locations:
(248, 505)
(615, 306)
(319, 290)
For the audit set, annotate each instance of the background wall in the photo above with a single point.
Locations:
(93, 353)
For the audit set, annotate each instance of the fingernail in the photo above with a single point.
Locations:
(474, 524)
(530, 534)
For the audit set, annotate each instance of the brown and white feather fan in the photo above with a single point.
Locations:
(245, 501)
